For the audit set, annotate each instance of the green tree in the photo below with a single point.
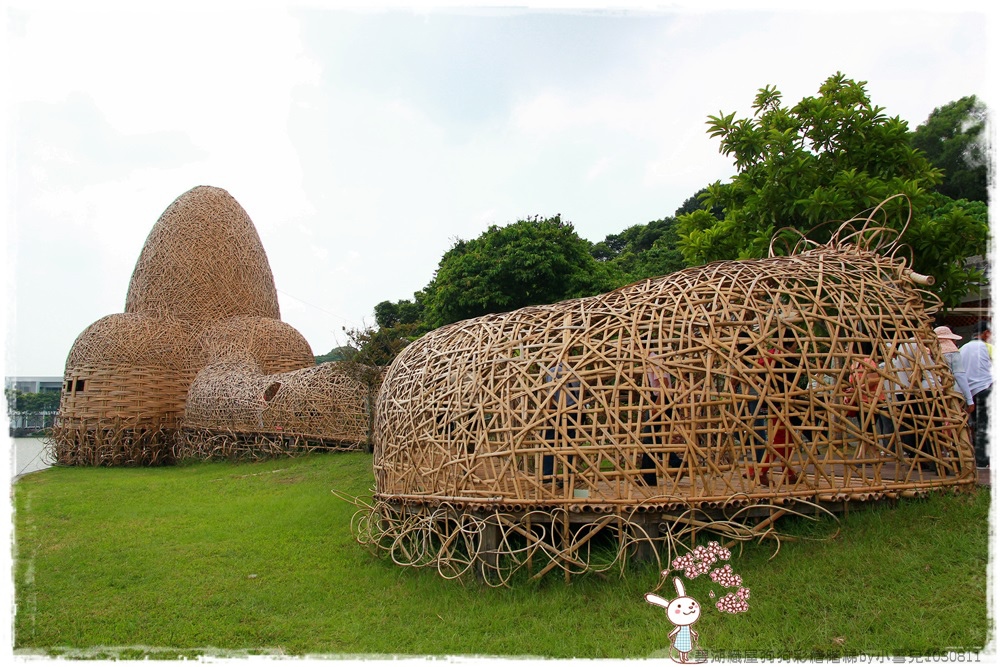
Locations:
(950, 228)
(641, 251)
(693, 203)
(529, 262)
(341, 353)
(26, 401)
(389, 314)
(30, 411)
(825, 160)
(953, 139)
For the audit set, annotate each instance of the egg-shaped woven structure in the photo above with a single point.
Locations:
(812, 376)
(203, 260)
(201, 296)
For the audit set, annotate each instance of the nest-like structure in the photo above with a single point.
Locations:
(236, 411)
(201, 298)
(694, 397)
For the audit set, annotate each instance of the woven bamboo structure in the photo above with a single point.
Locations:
(236, 411)
(201, 299)
(700, 397)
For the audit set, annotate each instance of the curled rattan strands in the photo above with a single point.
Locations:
(454, 542)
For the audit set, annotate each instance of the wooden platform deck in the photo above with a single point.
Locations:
(824, 482)
(729, 489)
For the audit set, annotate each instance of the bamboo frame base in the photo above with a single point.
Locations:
(460, 539)
(112, 442)
(219, 445)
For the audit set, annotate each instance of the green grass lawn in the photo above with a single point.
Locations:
(259, 558)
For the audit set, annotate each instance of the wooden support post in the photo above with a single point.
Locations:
(488, 559)
(565, 543)
(646, 550)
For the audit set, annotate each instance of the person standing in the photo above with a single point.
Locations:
(976, 354)
(656, 419)
(560, 436)
(783, 364)
(913, 394)
(946, 337)
(866, 400)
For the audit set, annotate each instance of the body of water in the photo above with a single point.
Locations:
(27, 455)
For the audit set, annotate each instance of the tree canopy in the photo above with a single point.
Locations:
(389, 314)
(529, 262)
(827, 159)
(641, 251)
(953, 139)
(341, 353)
(26, 401)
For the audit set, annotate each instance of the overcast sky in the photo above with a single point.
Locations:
(362, 144)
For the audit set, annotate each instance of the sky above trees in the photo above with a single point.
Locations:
(362, 144)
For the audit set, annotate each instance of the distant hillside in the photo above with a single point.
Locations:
(342, 353)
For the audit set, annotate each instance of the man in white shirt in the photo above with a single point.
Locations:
(976, 355)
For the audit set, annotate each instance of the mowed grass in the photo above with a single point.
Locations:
(224, 558)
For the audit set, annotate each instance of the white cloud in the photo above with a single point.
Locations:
(359, 182)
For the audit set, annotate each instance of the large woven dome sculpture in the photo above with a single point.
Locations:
(201, 299)
(705, 397)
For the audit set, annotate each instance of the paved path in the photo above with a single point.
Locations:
(26, 455)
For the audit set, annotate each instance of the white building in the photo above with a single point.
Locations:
(24, 423)
(34, 384)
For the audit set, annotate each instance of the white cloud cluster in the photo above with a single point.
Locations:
(362, 143)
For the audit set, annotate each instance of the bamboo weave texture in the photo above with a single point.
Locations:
(186, 369)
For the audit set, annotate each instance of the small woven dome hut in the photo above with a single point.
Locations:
(124, 387)
(691, 398)
(201, 298)
(276, 347)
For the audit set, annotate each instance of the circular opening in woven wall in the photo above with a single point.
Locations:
(272, 390)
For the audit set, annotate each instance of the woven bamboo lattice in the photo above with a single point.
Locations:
(700, 397)
(235, 411)
(201, 297)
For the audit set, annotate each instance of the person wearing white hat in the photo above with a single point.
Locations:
(951, 354)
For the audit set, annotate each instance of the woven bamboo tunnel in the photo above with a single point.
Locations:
(202, 294)
(236, 411)
(814, 376)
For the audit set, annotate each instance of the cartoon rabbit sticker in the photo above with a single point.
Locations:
(682, 611)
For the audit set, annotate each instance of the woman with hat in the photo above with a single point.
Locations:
(951, 354)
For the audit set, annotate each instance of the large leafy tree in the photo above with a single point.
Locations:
(393, 313)
(641, 251)
(340, 353)
(822, 161)
(953, 138)
(693, 203)
(529, 262)
(22, 401)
